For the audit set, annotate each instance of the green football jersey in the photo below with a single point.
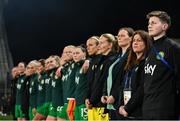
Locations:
(68, 81)
(57, 96)
(41, 94)
(33, 89)
(81, 84)
(48, 83)
(20, 88)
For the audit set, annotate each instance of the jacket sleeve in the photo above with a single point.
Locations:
(97, 89)
(89, 80)
(117, 87)
(176, 66)
(101, 81)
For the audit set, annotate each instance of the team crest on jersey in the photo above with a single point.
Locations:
(18, 86)
(47, 81)
(39, 77)
(93, 67)
(70, 71)
(160, 55)
(42, 82)
(22, 80)
(136, 69)
(77, 80)
(101, 67)
(32, 83)
(30, 90)
(146, 59)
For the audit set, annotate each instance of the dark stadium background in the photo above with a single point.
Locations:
(39, 28)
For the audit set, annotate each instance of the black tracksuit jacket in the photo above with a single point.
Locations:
(99, 75)
(134, 105)
(117, 77)
(160, 81)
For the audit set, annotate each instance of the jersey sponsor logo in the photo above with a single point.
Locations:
(64, 77)
(149, 69)
(40, 88)
(47, 81)
(53, 83)
(77, 80)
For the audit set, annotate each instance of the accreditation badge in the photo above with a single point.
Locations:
(127, 95)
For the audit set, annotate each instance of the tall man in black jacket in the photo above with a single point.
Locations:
(161, 79)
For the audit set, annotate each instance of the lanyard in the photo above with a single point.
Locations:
(129, 76)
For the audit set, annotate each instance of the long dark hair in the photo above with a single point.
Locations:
(132, 59)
